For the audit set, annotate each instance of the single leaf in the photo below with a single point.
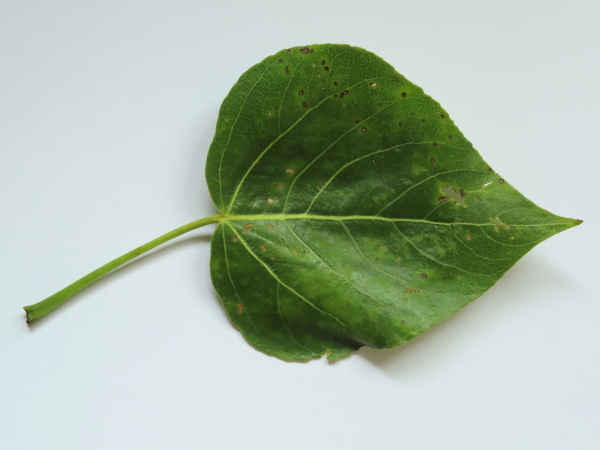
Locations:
(354, 212)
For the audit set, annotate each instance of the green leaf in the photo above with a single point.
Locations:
(354, 210)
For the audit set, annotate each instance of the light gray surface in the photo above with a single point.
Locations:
(107, 110)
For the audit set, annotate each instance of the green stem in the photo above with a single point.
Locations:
(46, 306)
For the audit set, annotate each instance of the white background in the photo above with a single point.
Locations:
(107, 109)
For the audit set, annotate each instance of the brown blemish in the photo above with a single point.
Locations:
(398, 259)
(304, 105)
(454, 194)
(432, 160)
(501, 180)
(270, 200)
(276, 108)
(423, 275)
(235, 238)
(462, 192)
(335, 83)
(435, 144)
(322, 62)
(449, 136)
(403, 322)
(468, 236)
(403, 95)
(270, 227)
(326, 68)
(280, 61)
(300, 92)
(320, 185)
(286, 70)
(240, 308)
(400, 124)
(373, 84)
(442, 199)
(364, 129)
(295, 252)
(290, 171)
(247, 227)
(377, 260)
(263, 248)
(306, 50)
(423, 120)
(442, 116)
(343, 93)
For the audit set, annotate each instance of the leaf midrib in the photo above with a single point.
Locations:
(251, 217)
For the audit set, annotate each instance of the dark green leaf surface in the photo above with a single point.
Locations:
(355, 211)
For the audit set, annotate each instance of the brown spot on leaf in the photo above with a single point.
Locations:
(373, 84)
(290, 171)
(240, 308)
(403, 95)
(263, 248)
(468, 236)
(247, 227)
(286, 70)
(364, 129)
(326, 68)
(301, 92)
(400, 124)
(443, 199)
(270, 200)
(423, 275)
(280, 61)
(235, 238)
(304, 105)
(306, 50)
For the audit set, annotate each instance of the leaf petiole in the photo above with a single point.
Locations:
(41, 309)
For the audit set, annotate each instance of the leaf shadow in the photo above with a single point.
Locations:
(135, 264)
(436, 346)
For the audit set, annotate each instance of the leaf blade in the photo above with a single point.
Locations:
(361, 213)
